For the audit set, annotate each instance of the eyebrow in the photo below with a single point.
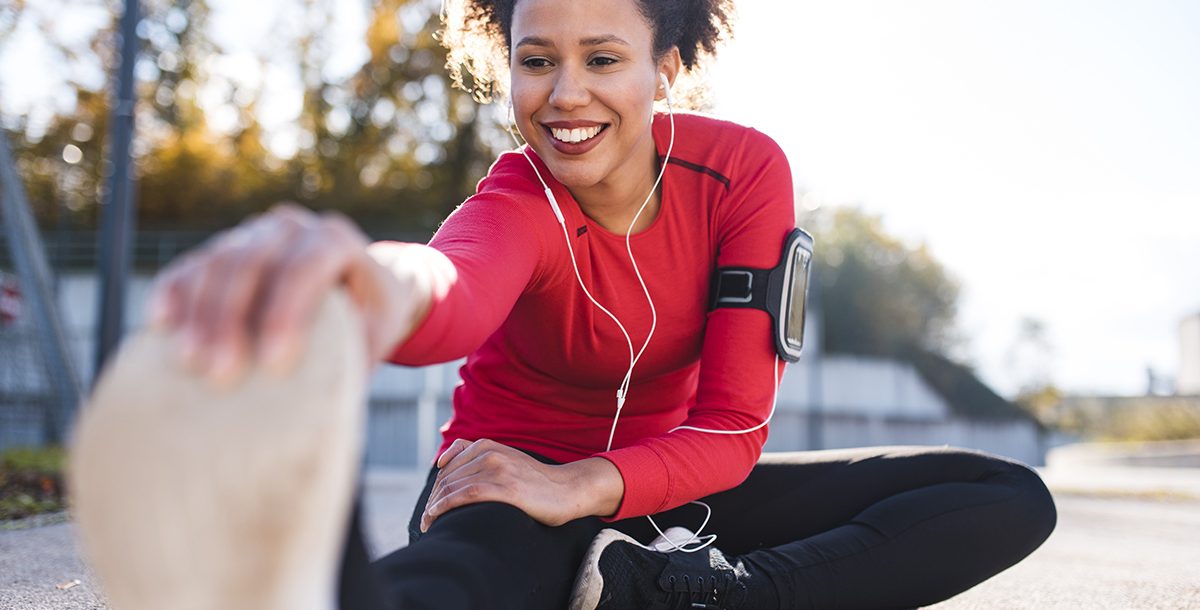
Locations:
(587, 42)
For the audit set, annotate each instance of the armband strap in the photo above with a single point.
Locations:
(781, 291)
(739, 287)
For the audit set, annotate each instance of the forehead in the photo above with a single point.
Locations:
(570, 21)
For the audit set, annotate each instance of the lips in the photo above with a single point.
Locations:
(575, 137)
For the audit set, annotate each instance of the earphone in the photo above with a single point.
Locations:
(623, 389)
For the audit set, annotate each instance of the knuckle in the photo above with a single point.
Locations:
(224, 259)
(493, 460)
(290, 222)
(341, 227)
(288, 208)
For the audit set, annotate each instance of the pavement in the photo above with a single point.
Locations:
(1127, 538)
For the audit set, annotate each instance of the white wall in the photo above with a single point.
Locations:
(1188, 381)
(863, 401)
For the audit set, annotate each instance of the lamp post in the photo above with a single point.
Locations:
(117, 225)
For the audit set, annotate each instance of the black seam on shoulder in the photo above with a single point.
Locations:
(702, 169)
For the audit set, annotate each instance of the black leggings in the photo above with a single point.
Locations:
(876, 527)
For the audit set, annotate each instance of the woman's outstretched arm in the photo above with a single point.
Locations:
(247, 294)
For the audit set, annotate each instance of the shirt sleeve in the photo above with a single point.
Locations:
(738, 363)
(493, 249)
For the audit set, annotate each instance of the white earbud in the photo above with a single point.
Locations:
(666, 88)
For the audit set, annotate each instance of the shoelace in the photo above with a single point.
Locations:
(700, 592)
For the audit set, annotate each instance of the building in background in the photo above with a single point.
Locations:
(1188, 380)
(1167, 412)
(825, 401)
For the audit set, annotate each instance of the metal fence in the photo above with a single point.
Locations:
(76, 249)
(32, 412)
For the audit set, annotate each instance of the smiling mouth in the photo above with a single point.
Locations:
(577, 135)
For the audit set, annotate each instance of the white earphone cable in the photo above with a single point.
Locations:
(697, 541)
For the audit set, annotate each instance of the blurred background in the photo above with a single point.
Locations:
(1003, 195)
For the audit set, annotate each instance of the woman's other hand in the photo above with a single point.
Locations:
(249, 292)
(487, 471)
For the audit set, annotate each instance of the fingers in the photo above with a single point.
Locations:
(227, 308)
(464, 491)
(319, 261)
(455, 448)
(471, 472)
(250, 292)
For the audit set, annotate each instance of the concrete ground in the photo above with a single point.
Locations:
(1126, 538)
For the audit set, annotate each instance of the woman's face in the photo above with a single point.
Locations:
(584, 81)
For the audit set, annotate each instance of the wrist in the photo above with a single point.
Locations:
(411, 276)
(596, 485)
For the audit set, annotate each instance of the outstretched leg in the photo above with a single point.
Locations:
(886, 527)
(193, 497)
(880, 527)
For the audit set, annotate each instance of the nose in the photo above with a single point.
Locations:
(570, 90)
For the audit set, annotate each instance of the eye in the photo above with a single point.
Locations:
(603, 60)
(536, 63)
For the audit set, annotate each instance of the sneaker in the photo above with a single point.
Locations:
(191, 497)
(673, 539)
(620, 573)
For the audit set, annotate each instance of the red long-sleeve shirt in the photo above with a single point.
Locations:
(543, 363)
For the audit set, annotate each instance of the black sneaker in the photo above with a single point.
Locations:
(619, 573)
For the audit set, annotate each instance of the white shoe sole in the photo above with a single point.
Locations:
(589, 583)
(190, 497)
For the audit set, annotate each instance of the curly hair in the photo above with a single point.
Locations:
(478, 35)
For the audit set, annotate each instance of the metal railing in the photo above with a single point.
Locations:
(77, 249)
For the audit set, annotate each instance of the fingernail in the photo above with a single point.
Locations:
(158, 312)
(276, 355)
(224, 366)
(189, 349)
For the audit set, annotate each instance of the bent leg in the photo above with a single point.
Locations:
(481, 556)
(882, 527)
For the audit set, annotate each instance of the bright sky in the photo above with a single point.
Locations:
(1046, 150)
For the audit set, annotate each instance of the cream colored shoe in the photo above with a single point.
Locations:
(188, 497)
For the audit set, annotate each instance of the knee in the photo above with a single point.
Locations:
(1033, 505)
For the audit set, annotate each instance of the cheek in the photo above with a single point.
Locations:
(525, 102)
(635, 104)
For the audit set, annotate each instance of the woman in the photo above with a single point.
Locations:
(538, 498)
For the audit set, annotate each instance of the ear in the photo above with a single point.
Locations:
(670, 65)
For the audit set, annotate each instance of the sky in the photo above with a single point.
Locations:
(1046, 151)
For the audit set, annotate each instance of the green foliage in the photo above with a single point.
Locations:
(1150, 418)
(1166, 423)
(31, 481)
(879, 296)
(393, 145)
(1040, 402)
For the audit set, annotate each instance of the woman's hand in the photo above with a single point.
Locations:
(486, 471)
(249, 292)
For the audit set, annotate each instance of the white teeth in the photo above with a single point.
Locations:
(574, 136)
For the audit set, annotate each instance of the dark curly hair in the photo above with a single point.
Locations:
(478, 35)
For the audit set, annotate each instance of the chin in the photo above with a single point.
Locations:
(576, 174)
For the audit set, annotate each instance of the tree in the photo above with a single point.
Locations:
(877, 295)
(392, 144)
(395, 141)
(1030, 359)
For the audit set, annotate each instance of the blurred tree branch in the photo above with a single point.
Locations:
(392, 144)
